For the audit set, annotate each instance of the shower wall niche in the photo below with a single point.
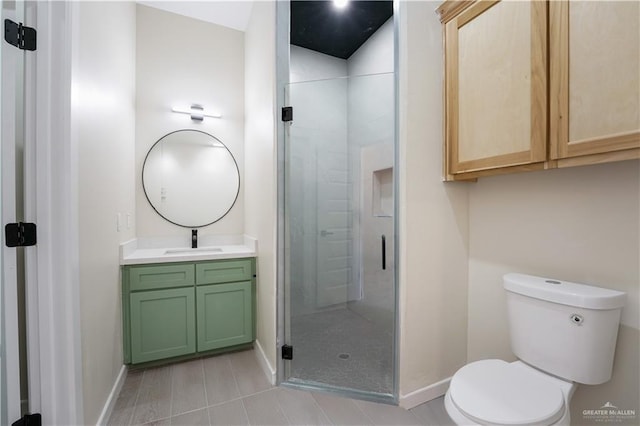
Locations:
(382, 194)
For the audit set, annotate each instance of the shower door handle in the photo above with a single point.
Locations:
(384, 252)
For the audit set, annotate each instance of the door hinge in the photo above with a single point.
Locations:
(287, 352)
(29, 420)
(20, 36)
(287, 113)
(20, 234)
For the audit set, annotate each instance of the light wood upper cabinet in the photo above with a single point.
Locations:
(534, 84)
(594, 79)
(496, 97)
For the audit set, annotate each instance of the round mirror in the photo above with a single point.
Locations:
(190, 178)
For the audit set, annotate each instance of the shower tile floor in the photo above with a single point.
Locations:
(344, 349)
(232, 389)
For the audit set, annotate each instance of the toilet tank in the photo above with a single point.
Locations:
(563, 328)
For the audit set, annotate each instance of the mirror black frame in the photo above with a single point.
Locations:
(169, 220)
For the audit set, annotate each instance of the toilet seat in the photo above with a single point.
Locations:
(499, 393)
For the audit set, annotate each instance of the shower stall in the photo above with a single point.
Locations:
(339, 236)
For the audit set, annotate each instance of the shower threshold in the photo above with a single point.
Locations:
(308, 385)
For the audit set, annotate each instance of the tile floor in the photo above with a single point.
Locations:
(231, 389)
(322, 338)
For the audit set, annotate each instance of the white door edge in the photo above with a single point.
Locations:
(57, 362)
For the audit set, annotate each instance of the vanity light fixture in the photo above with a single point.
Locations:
(196, 112)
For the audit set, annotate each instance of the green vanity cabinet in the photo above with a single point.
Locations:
(186, 309)
(224, 315)
(224, 271)
(162, 324)
(156, 277)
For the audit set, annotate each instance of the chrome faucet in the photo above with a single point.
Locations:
(194, 238)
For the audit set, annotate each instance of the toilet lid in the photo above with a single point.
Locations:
(496, 392)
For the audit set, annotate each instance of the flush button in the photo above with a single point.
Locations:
(552, 282)
(577, 319)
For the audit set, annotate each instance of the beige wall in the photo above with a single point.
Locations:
(182, 61)
(433, 215)
(261, 165)
(580, 224)
(103, 124)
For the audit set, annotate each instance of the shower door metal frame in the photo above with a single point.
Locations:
(282, 80)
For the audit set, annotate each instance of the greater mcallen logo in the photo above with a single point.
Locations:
(609, 413)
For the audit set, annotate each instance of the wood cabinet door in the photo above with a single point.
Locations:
(225, 315)
(162, 324)
(594, 77)
(496, 86)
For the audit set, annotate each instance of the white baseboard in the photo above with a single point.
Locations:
(113, 397)
(268, 370)
(420, 396)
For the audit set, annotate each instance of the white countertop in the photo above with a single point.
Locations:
(178, 249)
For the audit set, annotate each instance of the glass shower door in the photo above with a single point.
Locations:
(339, 205)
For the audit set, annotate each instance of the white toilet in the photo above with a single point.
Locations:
(563, 333)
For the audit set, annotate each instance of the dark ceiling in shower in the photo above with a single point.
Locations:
(320, 26)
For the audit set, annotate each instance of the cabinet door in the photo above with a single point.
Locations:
(496, 86)
(225, 315)
(162, 324)
(594, 77)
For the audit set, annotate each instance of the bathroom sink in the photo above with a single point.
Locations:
(194, 250)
